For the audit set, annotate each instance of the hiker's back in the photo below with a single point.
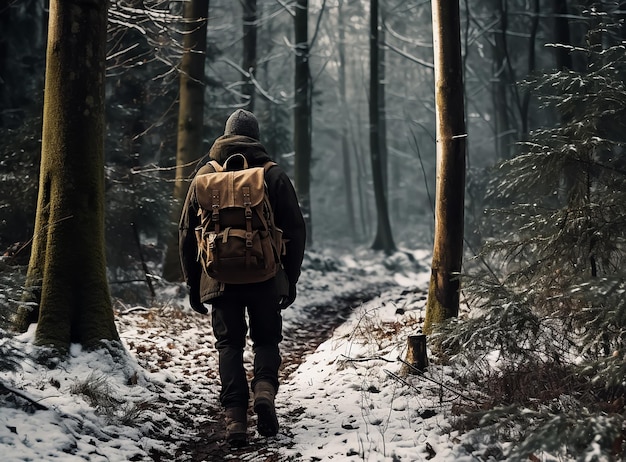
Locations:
(227, 233)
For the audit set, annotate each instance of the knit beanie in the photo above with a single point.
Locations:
(242, 122)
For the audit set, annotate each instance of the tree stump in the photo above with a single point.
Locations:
(416, 354)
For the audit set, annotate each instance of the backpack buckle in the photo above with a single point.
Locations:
(247, 200)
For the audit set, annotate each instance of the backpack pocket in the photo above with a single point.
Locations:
(235, 256)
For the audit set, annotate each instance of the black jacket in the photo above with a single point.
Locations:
(287, 215)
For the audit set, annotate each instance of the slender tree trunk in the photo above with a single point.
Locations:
(302, 114)
(563, 57)
(443, 294)
(67, 270)
(22, 43)
(384, 239)
(361, 178)
(564, 62)
(190, 120)
(276, 136)
(382, 110)
(531, 66)
(249, 51)
(345, 148)
(504, 131)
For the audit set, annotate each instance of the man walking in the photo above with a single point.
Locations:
(262, 300)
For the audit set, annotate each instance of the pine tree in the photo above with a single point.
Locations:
(550, 302)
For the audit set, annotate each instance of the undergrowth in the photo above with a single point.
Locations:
(544, 342)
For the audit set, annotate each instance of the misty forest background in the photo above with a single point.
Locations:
(545, 220)
(503, 42)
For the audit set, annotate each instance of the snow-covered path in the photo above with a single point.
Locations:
(341, 397)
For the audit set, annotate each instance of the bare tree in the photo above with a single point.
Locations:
(66, 278)
(443, 294)
(302, 113)
(345, 149)
(249, 51)
(190, 119)
(502, 81)
(525, 100)
(562, 36)
(384, 239)
(22, 43)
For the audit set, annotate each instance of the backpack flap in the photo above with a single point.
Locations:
(230, 188)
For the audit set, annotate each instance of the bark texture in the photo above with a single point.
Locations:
(67, 270)
(384, 238)
(443, 295)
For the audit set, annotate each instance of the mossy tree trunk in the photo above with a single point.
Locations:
(443, 294)
(190, 121)
(67, 271)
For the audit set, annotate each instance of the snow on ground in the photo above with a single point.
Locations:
(346, 401)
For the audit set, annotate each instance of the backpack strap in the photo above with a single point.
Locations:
(215, 209)
(215, 197)
(215, 165)
(277, 245)
(248, 214)
(269, 164)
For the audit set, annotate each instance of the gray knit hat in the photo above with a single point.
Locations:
(242, 122)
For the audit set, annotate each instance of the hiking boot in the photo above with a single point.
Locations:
(264, 393)
(236, 426)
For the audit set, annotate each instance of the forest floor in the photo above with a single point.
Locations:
(329, 298)
(342, 394)
(300, 339)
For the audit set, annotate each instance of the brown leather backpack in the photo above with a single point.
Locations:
(238, 241)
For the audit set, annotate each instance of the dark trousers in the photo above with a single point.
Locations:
(230, 329)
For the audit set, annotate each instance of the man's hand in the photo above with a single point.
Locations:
(287, 301)
(195, 302)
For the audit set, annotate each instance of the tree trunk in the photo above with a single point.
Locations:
(564, 62)
(361, 175)
(190, 121)
(22, 43)
(345, 148)
(504, 131)
(67, 269)
(563, 56)
(384, 239)
(302, 114)
(382, 111)
(249, 51)
(416, 355)
(443, 294)
(524, 115)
